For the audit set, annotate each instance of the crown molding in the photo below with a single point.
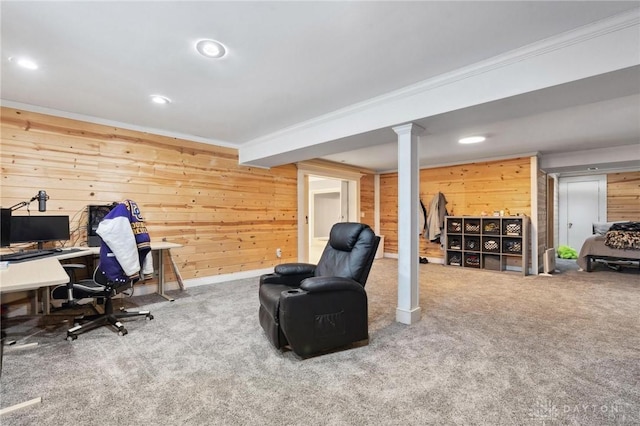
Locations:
(113, 123)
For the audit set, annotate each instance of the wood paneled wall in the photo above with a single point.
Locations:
(623, 196)
(469, 189)
(367, 200)
(229, 218)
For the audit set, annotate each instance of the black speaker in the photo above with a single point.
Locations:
(95, 214)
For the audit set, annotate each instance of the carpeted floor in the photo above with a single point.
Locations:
(491, 348)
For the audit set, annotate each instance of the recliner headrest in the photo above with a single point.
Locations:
(344, 236)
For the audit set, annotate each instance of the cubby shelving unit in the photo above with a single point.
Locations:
(487, 242)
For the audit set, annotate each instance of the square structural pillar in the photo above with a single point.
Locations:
(408, 311)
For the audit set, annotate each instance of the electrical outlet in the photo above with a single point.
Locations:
(278, 252)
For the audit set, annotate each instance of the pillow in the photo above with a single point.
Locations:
(602, 228)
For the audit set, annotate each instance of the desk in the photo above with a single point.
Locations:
(31, 276)
(161, 247)
(47, 271)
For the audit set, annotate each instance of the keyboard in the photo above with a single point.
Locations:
(25, 255)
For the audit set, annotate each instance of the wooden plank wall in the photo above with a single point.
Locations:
(229, 218)
(623, 196)
(469, 189)
(367, 198)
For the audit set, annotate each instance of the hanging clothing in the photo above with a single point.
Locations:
(422, 218)
(435, 218)
(126, 246)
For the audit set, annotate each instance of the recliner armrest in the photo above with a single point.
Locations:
(290, 274)
(295, 269)
(320, 284)
(288, 280)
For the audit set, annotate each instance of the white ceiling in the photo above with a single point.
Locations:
(291, 62)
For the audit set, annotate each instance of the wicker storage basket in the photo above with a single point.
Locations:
(513, 228)
(472, 227)
(491, 245)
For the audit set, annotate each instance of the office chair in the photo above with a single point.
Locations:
(316, 308)
(125, 255)
(98, 288)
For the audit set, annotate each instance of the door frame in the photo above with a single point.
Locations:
(306, 170)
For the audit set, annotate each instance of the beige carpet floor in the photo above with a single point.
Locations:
(492, 348)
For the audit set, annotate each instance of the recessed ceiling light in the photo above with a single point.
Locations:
(159, 99)
(211, 48)
(591, 169)
(472, 139)
(25, 63)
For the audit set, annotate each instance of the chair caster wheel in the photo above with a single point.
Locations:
(71, 337)
(149, 317)
(122, 332)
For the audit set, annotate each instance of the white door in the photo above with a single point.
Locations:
(583, 202)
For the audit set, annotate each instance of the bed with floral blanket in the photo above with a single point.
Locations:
(620, 243)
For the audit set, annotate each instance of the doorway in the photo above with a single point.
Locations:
(324, 198)
(582, 202)
(330, 202)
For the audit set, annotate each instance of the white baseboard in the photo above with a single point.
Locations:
(214, 279)
(142, 289)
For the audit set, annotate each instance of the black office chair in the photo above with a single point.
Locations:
(103, 290)
(316, 308)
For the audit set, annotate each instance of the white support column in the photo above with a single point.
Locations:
(408, 311)
(534, 217)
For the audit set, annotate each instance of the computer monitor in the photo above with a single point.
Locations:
(29, 229)
(95, 216)
(5, 227)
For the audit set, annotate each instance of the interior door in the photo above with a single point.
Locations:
(582, 202)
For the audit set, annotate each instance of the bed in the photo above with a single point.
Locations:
(617, 243)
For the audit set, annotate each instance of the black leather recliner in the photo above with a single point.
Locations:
(316, 308)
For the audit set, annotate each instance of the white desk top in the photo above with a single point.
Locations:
(32, 275)
(160, 245)
(47, 271)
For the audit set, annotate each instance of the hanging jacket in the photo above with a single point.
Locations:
(435, 218)
(422, 219)
(125, 251)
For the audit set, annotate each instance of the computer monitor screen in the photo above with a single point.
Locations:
(5, 227)
(26, 229)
